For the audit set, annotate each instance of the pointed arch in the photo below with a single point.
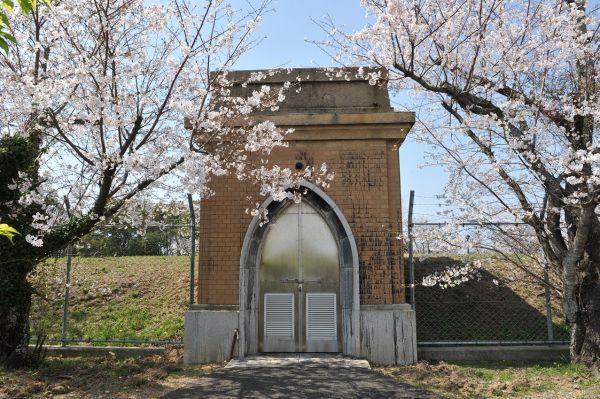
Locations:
(349, 271)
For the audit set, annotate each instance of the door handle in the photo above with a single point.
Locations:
(302, 281)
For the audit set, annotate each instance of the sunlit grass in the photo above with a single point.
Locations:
(135, 297)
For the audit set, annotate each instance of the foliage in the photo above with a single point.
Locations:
(18, 159)
(7, 231)
(163, 232)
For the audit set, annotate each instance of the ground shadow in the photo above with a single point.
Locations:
(299, 381)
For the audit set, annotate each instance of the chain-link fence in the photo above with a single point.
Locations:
(498, 304)
(481, 283)
(118, 285)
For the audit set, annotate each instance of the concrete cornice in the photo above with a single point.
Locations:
(340, 126)
(332, 118)
(310, 75)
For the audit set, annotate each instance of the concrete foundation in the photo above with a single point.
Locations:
(208, 333)
(516, 353)
(119, 352)
(388, 334)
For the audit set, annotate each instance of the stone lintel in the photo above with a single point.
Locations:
(296, 119)
(374, 132)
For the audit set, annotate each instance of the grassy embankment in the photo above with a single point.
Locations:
(131, 297)
(145, 297)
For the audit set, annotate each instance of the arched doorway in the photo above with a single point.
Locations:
(328, 253)
(299, 281)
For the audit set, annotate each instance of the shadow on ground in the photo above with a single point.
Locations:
(299, 382)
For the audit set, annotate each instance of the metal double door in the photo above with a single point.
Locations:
(299, 284)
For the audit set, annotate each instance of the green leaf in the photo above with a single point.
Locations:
(4, 20)
(3, 45)
(7, 231)
(8, 36)
(26, 6)
(8, 5)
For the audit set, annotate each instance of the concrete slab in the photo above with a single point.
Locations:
(522, 353)
(305, 360)
(94, 351)
(208, 334)
(296, 377)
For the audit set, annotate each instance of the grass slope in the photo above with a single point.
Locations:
(131, 297)
(145, 297)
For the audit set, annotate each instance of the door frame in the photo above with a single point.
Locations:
(349, 296)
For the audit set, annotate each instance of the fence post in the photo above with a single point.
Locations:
(411, 266)
(548, 304)
(193, 249)
(65, 320)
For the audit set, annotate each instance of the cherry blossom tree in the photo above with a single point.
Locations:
(507, 91)
(94, 98)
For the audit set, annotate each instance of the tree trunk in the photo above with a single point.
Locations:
(15, 306)
(585, 298)
(585, 330)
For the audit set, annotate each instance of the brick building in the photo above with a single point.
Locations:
(324, 275)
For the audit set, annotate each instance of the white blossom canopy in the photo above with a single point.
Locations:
(106, 86)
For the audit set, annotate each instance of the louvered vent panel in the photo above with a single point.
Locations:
(279, 315)
(321, 320)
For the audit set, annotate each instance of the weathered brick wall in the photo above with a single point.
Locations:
(367, 190)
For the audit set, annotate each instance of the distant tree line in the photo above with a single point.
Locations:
(164, 232)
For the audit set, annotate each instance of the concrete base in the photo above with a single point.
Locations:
(120, 352)
(298, 359)
(388, 334)
(208, 333)
(517, 353)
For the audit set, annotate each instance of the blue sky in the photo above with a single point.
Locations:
(285, 31)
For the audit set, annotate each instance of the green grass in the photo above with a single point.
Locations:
(138, 297)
